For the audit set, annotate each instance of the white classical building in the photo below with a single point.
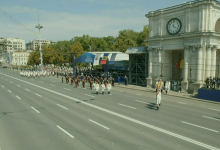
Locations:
(188, 32)
(20, 58)
(32, 45)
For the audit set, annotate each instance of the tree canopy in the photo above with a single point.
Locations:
(61, 51)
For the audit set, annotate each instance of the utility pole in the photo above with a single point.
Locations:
(41, 55)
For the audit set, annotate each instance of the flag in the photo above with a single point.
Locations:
(112, 60)
(104, 59)
(180, 64)
(96, 59)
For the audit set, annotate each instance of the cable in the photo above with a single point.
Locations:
(35, 33)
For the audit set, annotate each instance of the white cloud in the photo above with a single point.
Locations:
(64, 26)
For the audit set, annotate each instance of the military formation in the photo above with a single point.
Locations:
(95, 82)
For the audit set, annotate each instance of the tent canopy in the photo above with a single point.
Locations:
(112, 56)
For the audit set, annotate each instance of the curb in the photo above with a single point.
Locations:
(195, 99)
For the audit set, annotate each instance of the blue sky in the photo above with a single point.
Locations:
(64, 19)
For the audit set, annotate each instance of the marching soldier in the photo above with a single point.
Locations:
(62, 79)
(72, 81)
(109, 87)
(90, 83)
(103, 87)
(105, 82)
(76, 82)
(158, 94)
(97, 88)
(83, 82)
(113, 81)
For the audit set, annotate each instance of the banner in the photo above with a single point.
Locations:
(112, 60)
(96, 59)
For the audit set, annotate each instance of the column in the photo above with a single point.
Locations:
(150, 64)
(185, 75)
(208, 61)
(159, 62)
(213, 61)
(199, 64)
(150, 68)
(186, 63)
(199, 69)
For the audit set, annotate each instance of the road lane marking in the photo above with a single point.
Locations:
(123, 116)
(98, 124)
(62, 106)
(214, 109)
(89, 95)
(199, 126)
(52, 85)
(27, 90)
(38, 95)
(9, 91)
(182, 103)
(142, 102)
(18, 85)
(126, 106)
(138, 94)
(65, 131)
(11, 82)
(211, 118)
(18, 97)
(35, 109)
(3, 86)
(67, 89)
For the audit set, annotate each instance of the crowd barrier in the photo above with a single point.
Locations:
(211, 95)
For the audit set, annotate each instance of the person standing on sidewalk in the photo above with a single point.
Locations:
(118, 80)
(126, 80)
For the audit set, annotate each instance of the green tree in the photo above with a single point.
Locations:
(76, 49)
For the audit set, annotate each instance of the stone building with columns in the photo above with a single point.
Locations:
(188, 32)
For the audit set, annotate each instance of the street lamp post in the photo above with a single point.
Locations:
(41, 55)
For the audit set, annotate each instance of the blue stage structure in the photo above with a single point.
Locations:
(209, 95)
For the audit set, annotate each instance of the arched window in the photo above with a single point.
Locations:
(217, 25)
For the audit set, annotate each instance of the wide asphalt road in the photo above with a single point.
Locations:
(44, 114)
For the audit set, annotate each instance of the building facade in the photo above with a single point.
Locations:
(187, 33)
(12, 44)
(33, 45)
(20, 58)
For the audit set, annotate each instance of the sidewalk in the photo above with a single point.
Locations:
(171, 93)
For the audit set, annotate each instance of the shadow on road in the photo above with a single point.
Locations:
(151, 106)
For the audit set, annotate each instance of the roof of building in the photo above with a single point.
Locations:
(136, 50)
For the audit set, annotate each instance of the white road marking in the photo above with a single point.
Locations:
(52, 85)
(182, 103)
(199, 126)
(214, 109)
(40, 81)
(27, 90)
(65, 131)
(35, 109)
(62, 106)
(211, 118)
(67, 89)
(138, 94)
(18, 97)
(123, 116)
(3, 86)
(18, 85)
(89, 95)
(9, 91)
(98, 124)
(11, 82)
(126, 106)
(38, 95)
(142, 102)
